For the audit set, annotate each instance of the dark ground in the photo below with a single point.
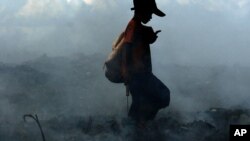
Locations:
(211, 125)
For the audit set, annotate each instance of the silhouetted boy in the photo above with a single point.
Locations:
(149, 94)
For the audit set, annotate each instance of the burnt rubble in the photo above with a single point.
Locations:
(210, 125)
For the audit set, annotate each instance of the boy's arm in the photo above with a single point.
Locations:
(150, 36)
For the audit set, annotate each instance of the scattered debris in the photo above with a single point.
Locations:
(38, 123)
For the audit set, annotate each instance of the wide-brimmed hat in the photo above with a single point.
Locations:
(149, 5)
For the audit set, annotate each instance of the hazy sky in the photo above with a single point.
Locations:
(194, 32)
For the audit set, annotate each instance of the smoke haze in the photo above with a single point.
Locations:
(52, 53)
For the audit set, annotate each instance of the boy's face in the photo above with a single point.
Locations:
(146, 17)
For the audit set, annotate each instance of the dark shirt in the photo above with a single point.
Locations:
(137, 36)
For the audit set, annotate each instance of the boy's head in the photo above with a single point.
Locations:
(145, 9)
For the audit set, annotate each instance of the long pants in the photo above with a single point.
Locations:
(149, 95)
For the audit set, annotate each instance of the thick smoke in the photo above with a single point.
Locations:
(52, 66)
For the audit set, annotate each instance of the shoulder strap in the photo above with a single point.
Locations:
(117, 41)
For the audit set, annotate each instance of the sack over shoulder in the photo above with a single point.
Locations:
(113, 64)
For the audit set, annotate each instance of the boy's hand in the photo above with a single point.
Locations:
(150, 35)
(154, 38)
(158, 31)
